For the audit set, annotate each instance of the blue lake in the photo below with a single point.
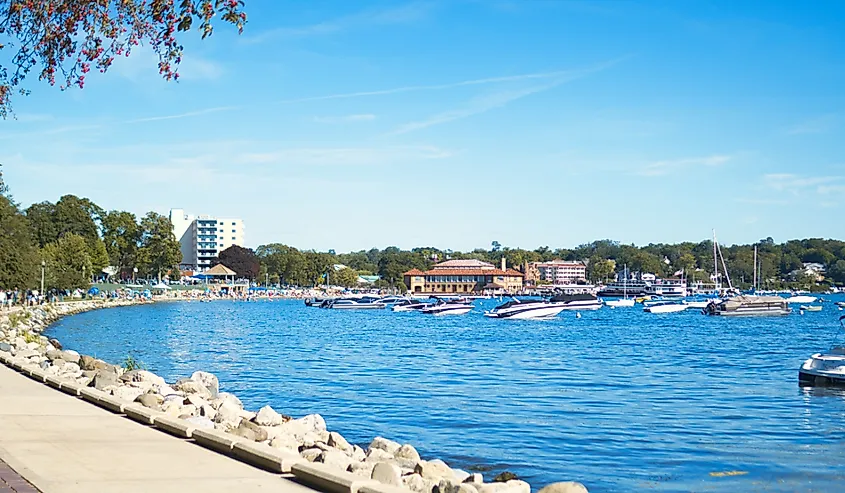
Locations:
(620, 400)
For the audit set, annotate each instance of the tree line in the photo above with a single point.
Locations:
(76, 239)
(73, 240)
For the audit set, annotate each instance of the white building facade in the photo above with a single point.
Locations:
(202, 238)
(561, 272)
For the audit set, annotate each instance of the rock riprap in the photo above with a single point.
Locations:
(198, 400)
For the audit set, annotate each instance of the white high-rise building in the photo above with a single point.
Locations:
(203, 237)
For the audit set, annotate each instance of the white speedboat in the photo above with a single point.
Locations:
(582, 301)
(666, 308)
(824, 369)
(620, 303)
(803, 299)
(409, 305)
(455, 306)
(748, 306)
(354, 304)
(526, 309)
(700, 304)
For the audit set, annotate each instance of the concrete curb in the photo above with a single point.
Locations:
(37, 374)
(112, 403)
(329, 479)
(53, 381)
(265, 457)
(175, 426)
(216, 440)
(72, 388)
(382, 488)
(141, 414)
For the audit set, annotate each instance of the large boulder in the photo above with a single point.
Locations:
(208, 380)
(564, 487)
(90, 363)
(250, 431)
(70, 356)
(435, 470)
(5, 347)
(127, 393)
(377, 455)
(387, 473)
(407, 452)
(417, 483)
(283, 441)
(53, 354)
(189, 386)
(337, 441)
(103, 379)
(335, 459)
(228, 415)
(225, 397)
(201, 422)
(268, 417)
(55, 343)
(152, 401)
(384, 444)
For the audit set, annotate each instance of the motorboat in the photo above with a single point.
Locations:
(354, 304)
(823, 369)
(811, 308)
(620, 303)
(315, 301)
(748, 306)
(526, 309)
(390, 300)
(409, 305)
(454, 306)
(582, 301)
(673, 288)
(700, 304)
(803, 299)
(666, 307)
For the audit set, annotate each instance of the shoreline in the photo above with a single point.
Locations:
(196, 407)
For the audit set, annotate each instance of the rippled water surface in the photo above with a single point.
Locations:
(619, 399)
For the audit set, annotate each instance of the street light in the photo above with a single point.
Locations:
(134, 273)
(43, 266)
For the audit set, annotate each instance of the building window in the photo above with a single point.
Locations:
(233, 223)
(233, 238)
(233, 231)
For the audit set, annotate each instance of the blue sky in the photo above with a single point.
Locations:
(347, 125)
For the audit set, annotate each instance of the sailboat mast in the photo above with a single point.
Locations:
(715, 263)
(754, 282)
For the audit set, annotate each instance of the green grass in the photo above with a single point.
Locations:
(108, 286)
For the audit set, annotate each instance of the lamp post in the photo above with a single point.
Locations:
(43, 266)
(134, 273)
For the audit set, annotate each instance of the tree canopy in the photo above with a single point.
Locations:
(62, 41)
(241, 260)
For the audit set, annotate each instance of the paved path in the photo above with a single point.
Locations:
(62, 444)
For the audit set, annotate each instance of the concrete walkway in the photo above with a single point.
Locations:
(62, 444)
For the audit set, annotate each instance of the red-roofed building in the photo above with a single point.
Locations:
(464, 277)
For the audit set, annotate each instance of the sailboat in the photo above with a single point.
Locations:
(624, 302)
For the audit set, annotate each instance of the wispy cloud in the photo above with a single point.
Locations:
(818, 125)
(796, 184)
(396, 15)
(487, 102)
(660, 168)
(432, 87)
(188, 114)
(344, 156)
(367, 117)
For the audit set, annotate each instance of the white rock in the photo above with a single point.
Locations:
(148, 376)
(268, 417)
(475, 477)
(564, 487)
(363, 469)
(435, 470)
(127, 393)
(384, 444)
(337, 441)
(228, 414)
(460, 475)
(224, 397)
(358, 454)
(387, 473)
(408, 452)
(311, 454)
(189, 410)
(378, 455)
(208, 380)
(417, 483)
(312, 422)
(283, 441)
(335, 458)
(165, 390)
(201, 422)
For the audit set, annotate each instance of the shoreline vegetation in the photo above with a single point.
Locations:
(197, 403)
(70, 243)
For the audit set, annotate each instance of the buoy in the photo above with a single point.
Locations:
(800, 312)
(577, 314)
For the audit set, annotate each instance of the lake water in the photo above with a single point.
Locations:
(620, 400)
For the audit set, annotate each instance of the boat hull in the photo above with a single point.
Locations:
(824, 369)
(449, 311)
(528, 314)
(619, 303)
(665, 308)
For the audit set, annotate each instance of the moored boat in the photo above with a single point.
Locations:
(823, 369)
(666, 308)
(582, 301)
(811, 308)
(354, 304)
(455, 306)
(526, 309)
(803, 299)
(748, 306)
(409, 305)
(620, 303)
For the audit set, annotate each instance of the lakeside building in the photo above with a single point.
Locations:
(202, 238)
(464, 276)
(557, 272)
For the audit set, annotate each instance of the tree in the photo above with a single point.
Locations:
(345, 277)
(159, 251)
(837, 271)
(19, 259)
(495, 246)
(68, 263)
(121, 235)
(78, 216)
(41, 217)
(241, 260)
(98, 255)
(599, 269)
(64, 40)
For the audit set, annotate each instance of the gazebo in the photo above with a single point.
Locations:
(221, 270)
